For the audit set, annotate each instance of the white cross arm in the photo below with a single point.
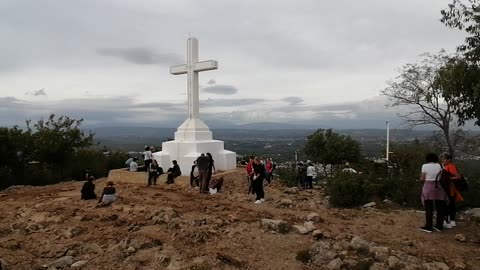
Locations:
(180, 69)
(206, 65)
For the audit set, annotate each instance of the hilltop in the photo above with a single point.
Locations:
(174, 227)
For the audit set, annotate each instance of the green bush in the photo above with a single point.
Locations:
(287, 176)
(348, 189)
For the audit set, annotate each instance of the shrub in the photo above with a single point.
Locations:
(348, 189)
(287, 176)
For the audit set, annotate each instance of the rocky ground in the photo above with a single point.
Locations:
(174, 227)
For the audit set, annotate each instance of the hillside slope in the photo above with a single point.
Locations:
(174, 227)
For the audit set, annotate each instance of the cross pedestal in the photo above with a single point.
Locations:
(193, 137)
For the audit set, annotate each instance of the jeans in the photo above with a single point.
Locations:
(308, 182)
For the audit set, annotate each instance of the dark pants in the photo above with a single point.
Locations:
(203, 176)
(451, 209)
(308, 182)
(171, 178)
(147, 164)
(250, 184)
(152, 178)
(440, 207)
(257, 186)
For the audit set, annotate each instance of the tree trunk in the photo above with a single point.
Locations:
(446, 133)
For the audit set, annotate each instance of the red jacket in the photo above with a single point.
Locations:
(249, 168)
(269, 166)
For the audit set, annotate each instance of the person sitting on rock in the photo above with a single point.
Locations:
(109, 195)
(173, 173)
(88, 189)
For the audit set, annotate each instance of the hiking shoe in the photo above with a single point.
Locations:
(425, 229)
(258, 201)
(437, 229)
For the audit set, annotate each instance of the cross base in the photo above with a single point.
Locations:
(193, 129)
(185, 152)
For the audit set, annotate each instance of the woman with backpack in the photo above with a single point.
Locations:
(453, 194)
(433, 195)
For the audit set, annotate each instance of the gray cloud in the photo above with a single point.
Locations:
(211, 82)
(40, 92)
(220, 89)
(141, 56)
(293, 100)
(230, 102)
(162, 105)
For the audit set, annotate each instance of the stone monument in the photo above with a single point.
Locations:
(193, 136)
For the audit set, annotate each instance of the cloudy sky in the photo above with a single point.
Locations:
(313, 62)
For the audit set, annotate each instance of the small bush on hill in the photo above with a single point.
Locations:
(347, 189)
(287, 176)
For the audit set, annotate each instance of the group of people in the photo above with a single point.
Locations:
(108, 196)
(305, 174)
(438, 197)
(259, 170)
(201, 175)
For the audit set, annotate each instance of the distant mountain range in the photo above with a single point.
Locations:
(257, 130)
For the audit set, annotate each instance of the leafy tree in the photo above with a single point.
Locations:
(417, 89)
(406, 161)
(465, 16)
(15, 152)
(459, 82)
(328, 147)
(56, 140)
(460, 78)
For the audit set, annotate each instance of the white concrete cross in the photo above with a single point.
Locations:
(192, 68)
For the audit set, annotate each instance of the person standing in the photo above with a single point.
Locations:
(268, 170)
(211, 168)
(153, 172)
(301, 174)
(309, 178)
(249, 174)
(147, 157)
(203, 163)
(257, 183)
(453, 194)
(433, 195)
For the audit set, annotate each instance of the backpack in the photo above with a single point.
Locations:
(461, 184)
(443, 178)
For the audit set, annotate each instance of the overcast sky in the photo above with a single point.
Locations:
(314, 62)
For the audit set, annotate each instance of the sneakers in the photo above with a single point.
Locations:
(258, 201)
(435, 228)
(262, 199)
(453, 224)
(425, 229)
